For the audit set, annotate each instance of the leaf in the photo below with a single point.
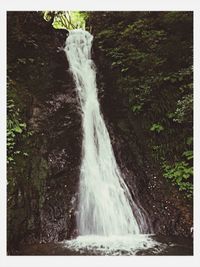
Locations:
(17, 129)
(10, 159)
(136, 108)
(22, 125)
(186, 176)
(188, 154)
(157, 127)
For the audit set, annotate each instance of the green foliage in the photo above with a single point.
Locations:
(136, 108)
(188, 154)
(15, 127)
(17, 130)
(66, 19)
(183, 110)
(150, 55)
(179, 174)
(156, 127)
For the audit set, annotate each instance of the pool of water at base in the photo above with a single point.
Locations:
(164, 245)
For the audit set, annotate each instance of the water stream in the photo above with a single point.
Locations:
(107, 216)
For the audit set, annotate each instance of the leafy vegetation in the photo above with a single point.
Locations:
(66, 19)
(17, 130)
(180, 174)
(150, 56)
(156, 127)
(15, 127)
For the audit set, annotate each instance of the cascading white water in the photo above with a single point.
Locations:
(105, 205)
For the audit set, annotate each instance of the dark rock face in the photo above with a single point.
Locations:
(168, 211)
(43, 199)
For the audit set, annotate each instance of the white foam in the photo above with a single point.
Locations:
(113, 245)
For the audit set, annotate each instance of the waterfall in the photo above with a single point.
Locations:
(105, 204)
(105, 207)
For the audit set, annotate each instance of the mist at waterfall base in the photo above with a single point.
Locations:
(108, 220)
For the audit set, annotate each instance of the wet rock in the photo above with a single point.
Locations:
(40, 198)
(167, 209)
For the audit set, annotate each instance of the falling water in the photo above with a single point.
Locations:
(105, 206)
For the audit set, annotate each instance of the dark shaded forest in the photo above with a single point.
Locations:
(144, 63)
